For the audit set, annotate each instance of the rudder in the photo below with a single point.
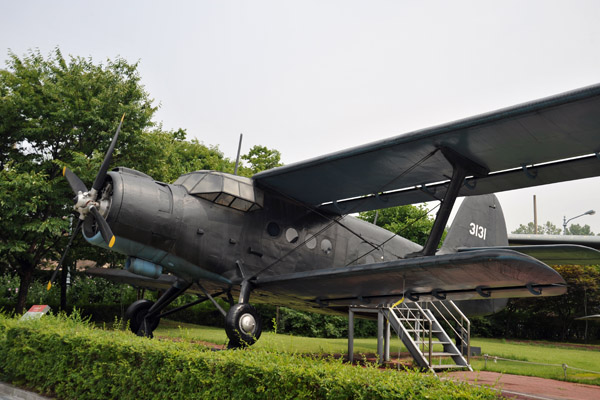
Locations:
(479, 222)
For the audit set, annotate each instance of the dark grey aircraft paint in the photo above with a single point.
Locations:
(284, 236)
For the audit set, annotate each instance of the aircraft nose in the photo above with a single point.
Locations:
(141, 209)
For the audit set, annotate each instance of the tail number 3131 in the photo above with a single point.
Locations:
(478, 231)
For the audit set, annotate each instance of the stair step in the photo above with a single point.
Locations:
(432, 342)
(425, 321)
(441, 354)
(423, 330)
(448, 366)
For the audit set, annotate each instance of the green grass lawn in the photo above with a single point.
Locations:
(544, 353)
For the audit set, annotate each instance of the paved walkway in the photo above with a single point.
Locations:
(528, 387)
(10, 392)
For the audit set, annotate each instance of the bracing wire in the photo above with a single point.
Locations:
(406, 227)
(334, 221)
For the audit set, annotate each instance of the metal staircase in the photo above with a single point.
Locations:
(424, 337)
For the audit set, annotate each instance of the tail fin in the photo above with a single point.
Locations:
(478, 223)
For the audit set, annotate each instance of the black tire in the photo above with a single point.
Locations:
(136, 313)
(243, 325)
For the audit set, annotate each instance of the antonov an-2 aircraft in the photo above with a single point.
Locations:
(285, 235)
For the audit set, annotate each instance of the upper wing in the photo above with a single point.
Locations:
(581, 240)
(468, 275)
(407, 169)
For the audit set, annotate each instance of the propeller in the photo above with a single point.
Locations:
(85, 201)
(64, 255)
(107, 159)
(76, 184)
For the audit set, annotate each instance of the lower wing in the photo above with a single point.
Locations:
(477, 274)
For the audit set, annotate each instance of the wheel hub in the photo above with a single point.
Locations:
(247, 323)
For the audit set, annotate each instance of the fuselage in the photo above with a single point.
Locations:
(201, 231)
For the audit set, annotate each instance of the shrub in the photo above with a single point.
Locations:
(68, 358)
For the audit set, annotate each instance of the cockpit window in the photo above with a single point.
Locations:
(233, 191)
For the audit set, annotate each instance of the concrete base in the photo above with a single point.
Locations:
(475, 351)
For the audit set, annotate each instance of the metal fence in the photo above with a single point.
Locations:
(487, 357)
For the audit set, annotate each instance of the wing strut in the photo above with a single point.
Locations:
(461, 168)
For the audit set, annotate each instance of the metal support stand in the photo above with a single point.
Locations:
(383, 333)
(386, 343)
(380, 337)
(350, 335)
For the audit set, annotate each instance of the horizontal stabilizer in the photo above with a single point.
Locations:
(554, 254)
(582, 240)
(478, 274)
(595, 317)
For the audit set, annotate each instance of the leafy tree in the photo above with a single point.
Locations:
(262, 158)
(547, 229)
(576, 229)
(59, 112)
(167, 155)
(411, 222)
(56, 112)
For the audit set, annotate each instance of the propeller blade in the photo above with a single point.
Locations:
(107, 159)
(105, 230)
(64, 255)
(76, 184)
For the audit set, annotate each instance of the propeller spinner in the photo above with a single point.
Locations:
(87, 203)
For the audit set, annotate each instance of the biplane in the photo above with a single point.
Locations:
(286, 236)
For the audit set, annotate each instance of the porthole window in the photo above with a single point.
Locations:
(291, 235)
(326, 246)
(273, 229)
(311, 242)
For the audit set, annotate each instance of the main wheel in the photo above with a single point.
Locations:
(243, 325)
(136, 315)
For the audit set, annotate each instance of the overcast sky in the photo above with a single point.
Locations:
(313, 77)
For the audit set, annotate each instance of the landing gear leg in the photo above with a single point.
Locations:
(242, 323)
(144, 315)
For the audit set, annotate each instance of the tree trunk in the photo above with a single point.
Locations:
(26, 275)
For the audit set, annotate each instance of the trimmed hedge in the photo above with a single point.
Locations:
(68, 358)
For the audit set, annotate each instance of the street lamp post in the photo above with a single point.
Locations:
(565, 220)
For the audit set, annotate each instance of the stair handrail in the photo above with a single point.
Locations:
(430, 322)
(463, 317)
(461, 323)
(410, 312)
